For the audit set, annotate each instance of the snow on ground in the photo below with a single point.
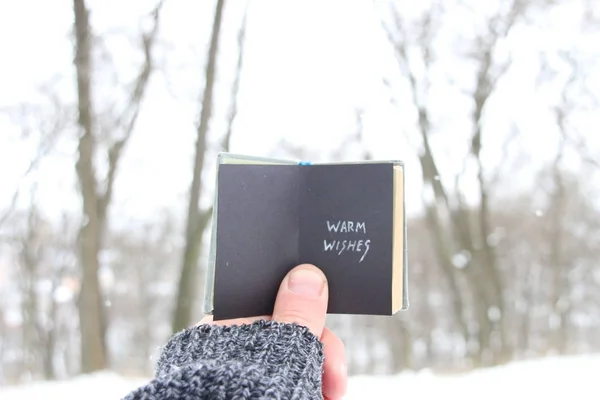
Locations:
(100, 386)
(550, 378)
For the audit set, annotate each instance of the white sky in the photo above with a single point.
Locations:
(308, 65)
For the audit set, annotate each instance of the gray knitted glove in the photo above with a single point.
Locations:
(264, 360)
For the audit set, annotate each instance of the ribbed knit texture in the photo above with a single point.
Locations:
(264, 360)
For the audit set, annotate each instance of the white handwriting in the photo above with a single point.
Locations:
(346, 227)
(341, 246)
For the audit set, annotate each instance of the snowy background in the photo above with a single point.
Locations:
(549, 378)
(493, 106)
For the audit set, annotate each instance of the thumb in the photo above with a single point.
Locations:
(302, 298)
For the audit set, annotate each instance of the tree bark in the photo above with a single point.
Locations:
(560, 287)
(196, 220)
(465, 229)
(92, 316)
(91, 311)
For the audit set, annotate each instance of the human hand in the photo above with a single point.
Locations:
(302, 299)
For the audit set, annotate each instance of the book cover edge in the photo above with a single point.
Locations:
(222, 158)
(405, 301)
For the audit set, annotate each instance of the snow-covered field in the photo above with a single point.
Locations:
(548, 379)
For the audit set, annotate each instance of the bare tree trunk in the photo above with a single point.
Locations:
(429, 319)
(197, 220)
(401, 346)
(530, 294)
(144, 332)
(371, 328)
(444, 257)
(92, 316)
(560, 288)
(50, 338)
(91, 311)
(29, 306)
(560, 268)
(442, 231)
(235, 88)
(458, 228)
(3, 343)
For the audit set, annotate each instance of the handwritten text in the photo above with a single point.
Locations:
(347, 245)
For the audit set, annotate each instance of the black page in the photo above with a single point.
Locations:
(357, 200)
(274, 217)
(257, 237)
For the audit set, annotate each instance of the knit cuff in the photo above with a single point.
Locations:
(282, 359)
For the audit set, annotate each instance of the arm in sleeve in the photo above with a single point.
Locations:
(263, 360)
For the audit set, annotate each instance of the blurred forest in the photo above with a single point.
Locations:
(501, 267)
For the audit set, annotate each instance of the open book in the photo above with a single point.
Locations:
(271, 215)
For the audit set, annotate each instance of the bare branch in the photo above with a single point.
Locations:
(399, 43)
(571, 91)
(360, 132)
(356, 137)
(490, 70)
(241, 38)
(187, 285)
(48, 139)
(129, 117)
(203, 220)
(510, 139)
